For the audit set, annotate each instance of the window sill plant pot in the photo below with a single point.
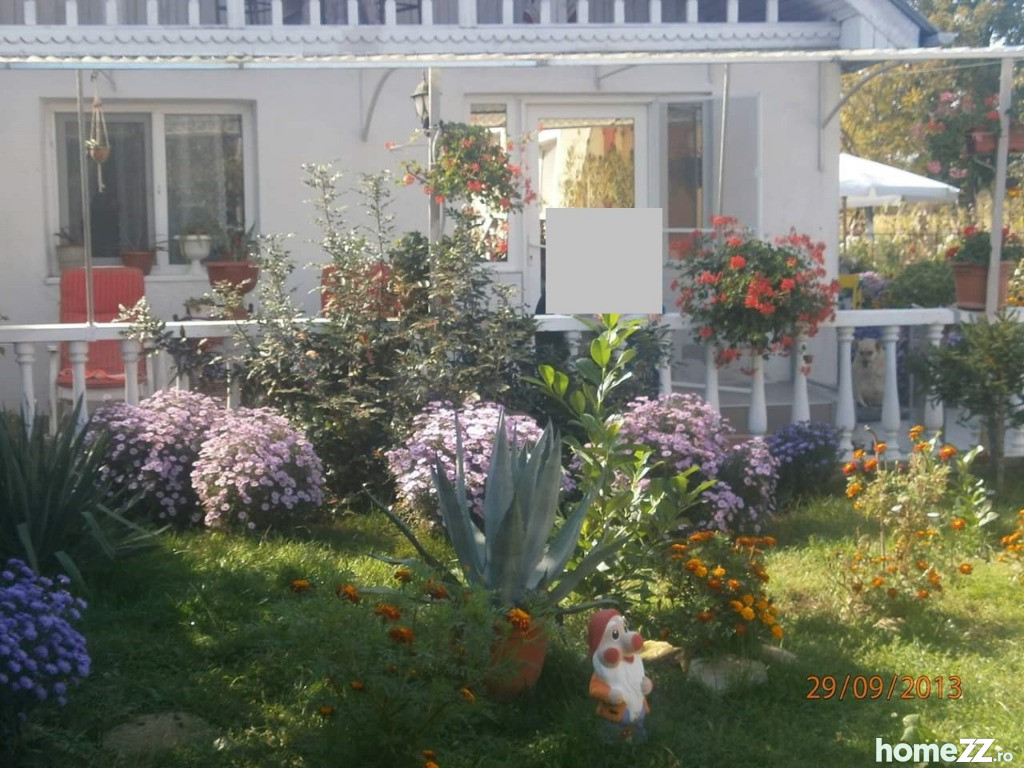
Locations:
(981, 141)
(70, 256)
(195, 248)
(970, 282)
(141, 260)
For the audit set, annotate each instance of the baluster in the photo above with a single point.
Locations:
(545, 11)
(315, 13)
(25, 354)
(236, 13)
(771, 11)
(582, 11)
(276, 14)
(665, 377)
(508, 12)
(391, 13)
(153, 12)
(159, 372)
(467, 13)
(130, 352)
(71, 13)
(193, 13)
(757, 418)
(54, 354)
(655, 11)
(427, 13)
(620, 11)
(110, 13)
(934, 415)
(801, 402)
(78, 354)
(732, 11)
(711, 379)
(846, 417)
(353, 13)
(30, 13)
(692, 12)
(891, 398)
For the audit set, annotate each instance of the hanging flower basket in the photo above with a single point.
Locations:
(982, 141)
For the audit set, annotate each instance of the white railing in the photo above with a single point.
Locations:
(27, 340)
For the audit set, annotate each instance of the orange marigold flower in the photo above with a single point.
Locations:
(467, 694)
(858, 454)
(880, 448)
(700, 572)
(947, 452)
(348, 592)
(435, 590)
(715, 584)
(718, 572)
(357, 685)
(519, 619)
(705, 616)
(429, 754)
(404, 575)
(853, 489)
(431, 764)
(777, 631)
(768, 541)
(700, 536)
(679, 547)
(916, 431)
(326, 710)
(736, 605)
(933, 577)
(388, 612)
(966, 568)
(922, 593)
(401, 635)
(301, 585)
(922, 565)
(747, 614)
(693, 564)
(877, 582)
(733, 585)
(850, 467)
(747, 600)
(871, 464)
(958, 524)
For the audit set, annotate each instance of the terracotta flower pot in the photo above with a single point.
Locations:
(70, 256)
(518, 659)
(99, 154)
(142, 260)
(971, 282)
(981, 141)
(241, 274)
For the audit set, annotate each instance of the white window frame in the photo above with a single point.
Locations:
(157, 110)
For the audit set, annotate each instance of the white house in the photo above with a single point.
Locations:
(213, 106)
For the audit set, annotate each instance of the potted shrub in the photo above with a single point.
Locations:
(513, 550)
(980, 370)
(140, 253)
(196, 241)
(233, 260)
(70, 248)
(969, 252)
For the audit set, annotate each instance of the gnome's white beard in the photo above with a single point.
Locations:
(628, 679)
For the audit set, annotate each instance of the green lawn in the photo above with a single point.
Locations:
(209, 625)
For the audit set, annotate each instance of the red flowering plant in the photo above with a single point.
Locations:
(929, 511)
(474, 178)
(744, 293)
(973, 245)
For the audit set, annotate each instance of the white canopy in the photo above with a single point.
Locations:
(866, 183)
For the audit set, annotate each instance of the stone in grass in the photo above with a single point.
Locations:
(153, 733)
(721, 674)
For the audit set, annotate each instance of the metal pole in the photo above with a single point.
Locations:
(433, 133)
(999, 192)
(721, 144)
(83, 174)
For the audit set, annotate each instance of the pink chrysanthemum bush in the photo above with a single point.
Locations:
(433, 438)
(255, 471)
(685, 431)
(153, 447)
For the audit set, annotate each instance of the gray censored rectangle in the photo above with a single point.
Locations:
(603, 260)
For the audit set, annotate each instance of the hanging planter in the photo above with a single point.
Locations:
(98, 142)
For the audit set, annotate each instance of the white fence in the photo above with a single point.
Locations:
(33, 344)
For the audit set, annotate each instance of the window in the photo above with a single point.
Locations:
(169, 169)
(682, 172)
(494, 225)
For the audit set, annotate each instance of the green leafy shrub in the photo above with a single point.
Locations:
(920, 284)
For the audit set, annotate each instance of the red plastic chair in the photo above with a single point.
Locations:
(111, 286)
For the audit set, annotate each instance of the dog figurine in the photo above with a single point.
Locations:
(868, 372)
(619, 682)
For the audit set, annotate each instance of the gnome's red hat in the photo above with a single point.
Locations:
(595, 630)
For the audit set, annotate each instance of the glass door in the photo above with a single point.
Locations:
(581, 157)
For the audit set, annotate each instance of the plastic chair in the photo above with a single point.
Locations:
(111, 287)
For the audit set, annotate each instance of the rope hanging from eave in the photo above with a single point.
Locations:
(98, 142)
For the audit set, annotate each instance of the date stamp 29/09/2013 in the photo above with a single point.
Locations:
(875, 687)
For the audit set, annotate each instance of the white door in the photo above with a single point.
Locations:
(581, 156)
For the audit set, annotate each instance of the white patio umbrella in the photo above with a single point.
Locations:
(864, 183)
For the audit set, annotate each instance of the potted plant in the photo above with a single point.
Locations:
(747, 294)
(513, 549)
(980, 370)
(196, 241)
(233, 262)
(140, 253)
(70, 248)
(969, 252)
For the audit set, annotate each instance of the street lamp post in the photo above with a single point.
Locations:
(425, 100)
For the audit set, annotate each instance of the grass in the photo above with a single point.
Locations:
(209, 625)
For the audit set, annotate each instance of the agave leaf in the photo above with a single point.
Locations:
(543, 507)
(500, 485)
(465, 537)
(504, 572)
(71, 569)
(561, 547)
(588, 565)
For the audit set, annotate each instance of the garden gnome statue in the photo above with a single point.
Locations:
(618, 683)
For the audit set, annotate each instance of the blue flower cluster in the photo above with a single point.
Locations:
(807, 451)
(41, 653)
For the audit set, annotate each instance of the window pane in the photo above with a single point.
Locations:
(120, 212)
(493, 230)
(205, 174)
(684, 157)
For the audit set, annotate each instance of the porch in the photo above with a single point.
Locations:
(755, 403)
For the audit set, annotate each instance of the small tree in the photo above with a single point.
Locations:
(981, 371)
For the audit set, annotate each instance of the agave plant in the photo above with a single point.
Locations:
(513, 550)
